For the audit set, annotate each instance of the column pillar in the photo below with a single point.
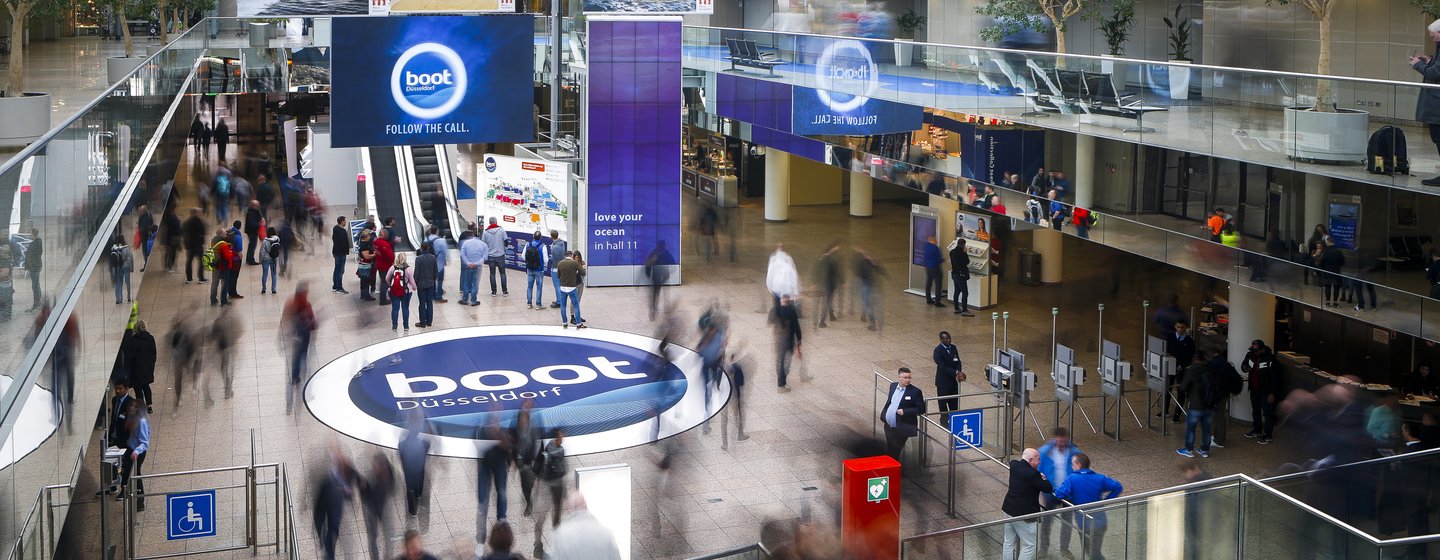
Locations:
(862, 195)
(777, 186)
(1084, 179)
(1252, 316)
(1317, 190)
(1050, 244)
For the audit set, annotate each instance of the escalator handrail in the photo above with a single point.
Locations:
(410, 197)
(448, 190)
(369, 169)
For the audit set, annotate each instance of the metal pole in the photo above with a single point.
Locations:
(1100, 370)
(250, 501)
(129, 518)
(556, 43)
(994, 328)
(950, 501)
(1006, 317)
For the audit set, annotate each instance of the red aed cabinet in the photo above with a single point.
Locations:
(870, 508)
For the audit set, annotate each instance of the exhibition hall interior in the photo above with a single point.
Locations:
(911, 279)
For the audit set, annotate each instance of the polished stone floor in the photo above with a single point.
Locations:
(715, 498)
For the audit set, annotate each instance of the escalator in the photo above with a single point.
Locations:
(430, 187)
(384, 183)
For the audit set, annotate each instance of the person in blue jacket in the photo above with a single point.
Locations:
(1055, 464)
(1085, 486)
(932, 259)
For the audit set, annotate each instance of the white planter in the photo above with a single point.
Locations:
(1339, 137)
(1179, 80)
(321, 31)
(1116, 70)
(904, 52)
(1107, 66)
(26, 119)
(117, 67)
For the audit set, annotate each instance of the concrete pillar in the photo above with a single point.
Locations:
(1317, 190)
(1050, 244)
(1084, 180)
(777, 186)
(1252, 316)
(862, 195)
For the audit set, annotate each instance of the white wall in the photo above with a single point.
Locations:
(335, 170)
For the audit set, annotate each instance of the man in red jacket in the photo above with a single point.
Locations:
(224, 262)
(384, 259)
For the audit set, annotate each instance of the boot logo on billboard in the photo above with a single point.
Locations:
(428, 81)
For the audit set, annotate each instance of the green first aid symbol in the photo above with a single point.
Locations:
(877, 489)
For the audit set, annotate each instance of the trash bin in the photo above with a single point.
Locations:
(260, 35)
(1029, 267)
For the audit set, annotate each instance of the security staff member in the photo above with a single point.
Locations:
(947, 372)
(901, 414)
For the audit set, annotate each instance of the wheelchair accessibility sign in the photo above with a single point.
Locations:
(190, 515)
(968, 426)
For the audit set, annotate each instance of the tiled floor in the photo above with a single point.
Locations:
(715, 498)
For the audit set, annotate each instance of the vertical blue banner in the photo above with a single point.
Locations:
(633, 148)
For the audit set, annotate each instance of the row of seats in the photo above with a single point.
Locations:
(744, 52)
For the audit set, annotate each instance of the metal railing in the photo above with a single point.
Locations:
(755, 551)
(284, 536)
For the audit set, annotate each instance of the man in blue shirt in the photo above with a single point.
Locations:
(930, 256)
(1056, 211)
(1056, 465)
(1085, 486)
(441, 248)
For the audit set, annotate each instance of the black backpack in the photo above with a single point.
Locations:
(1386, 154)
(532, 257)
(552, 460)
(274, 250)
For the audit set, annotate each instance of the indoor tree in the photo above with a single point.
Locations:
(1431, 8)
(21, 12)
(1322, 10)
(1013, 16)
(125, 8)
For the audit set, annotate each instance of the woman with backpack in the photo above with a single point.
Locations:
(269, 257)
(399, 284)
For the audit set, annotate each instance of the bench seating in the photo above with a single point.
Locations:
(744, 52)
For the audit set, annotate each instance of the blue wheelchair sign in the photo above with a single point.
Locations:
(190, 515)
(968, 426)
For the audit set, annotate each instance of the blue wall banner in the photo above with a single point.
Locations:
(632, 144)
(818, 112)
(432, 80)
(986, 153)
(605, 390)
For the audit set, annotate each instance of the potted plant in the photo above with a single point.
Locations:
(117, 67)
(26, 115)
(1179, 55)
(1323, 132)
(909, 23)
(1116, 29)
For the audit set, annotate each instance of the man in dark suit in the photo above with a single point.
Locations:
(901, 414)
(947, 372)
(1023, 498)
(1181, 346)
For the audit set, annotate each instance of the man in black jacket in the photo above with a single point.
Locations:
(1023, 498)
(901, 414)
(252, 227)
(1181, 346)
(1264, 375)
(947, 372)
(960, 274)
(193, 232)
(340, 249)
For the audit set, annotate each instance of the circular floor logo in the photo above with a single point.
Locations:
(428, 81)
(607, 390)
(846, 66)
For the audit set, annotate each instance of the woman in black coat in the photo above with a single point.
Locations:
(142, 363)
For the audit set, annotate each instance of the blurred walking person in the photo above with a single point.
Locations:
(336, 488)
(299, 317)
(34, 263)
(789, 338)
(831, 278)
(62, 370)
(414, 452)
(142, 364)
(224, 334)
(184, 356)
(868, 275)
(375, 493)
(494, 470)
(529, 439)
(657, 267)
(781, 278)
(581, 535)
(553, 470)
(192, 232)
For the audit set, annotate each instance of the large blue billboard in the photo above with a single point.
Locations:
(633, 148)
(818, 112)
(432, 80)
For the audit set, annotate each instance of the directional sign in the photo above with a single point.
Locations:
(968, 426)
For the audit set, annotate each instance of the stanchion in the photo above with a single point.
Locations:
(994, 329)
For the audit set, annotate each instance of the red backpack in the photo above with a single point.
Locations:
(397, 284)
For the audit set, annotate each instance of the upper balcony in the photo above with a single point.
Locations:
(1237, 114)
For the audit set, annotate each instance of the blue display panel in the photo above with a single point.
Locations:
(432, 80)
(633, 141)
(820, 112)
(757, 102)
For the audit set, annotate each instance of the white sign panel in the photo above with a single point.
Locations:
(525, 194)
